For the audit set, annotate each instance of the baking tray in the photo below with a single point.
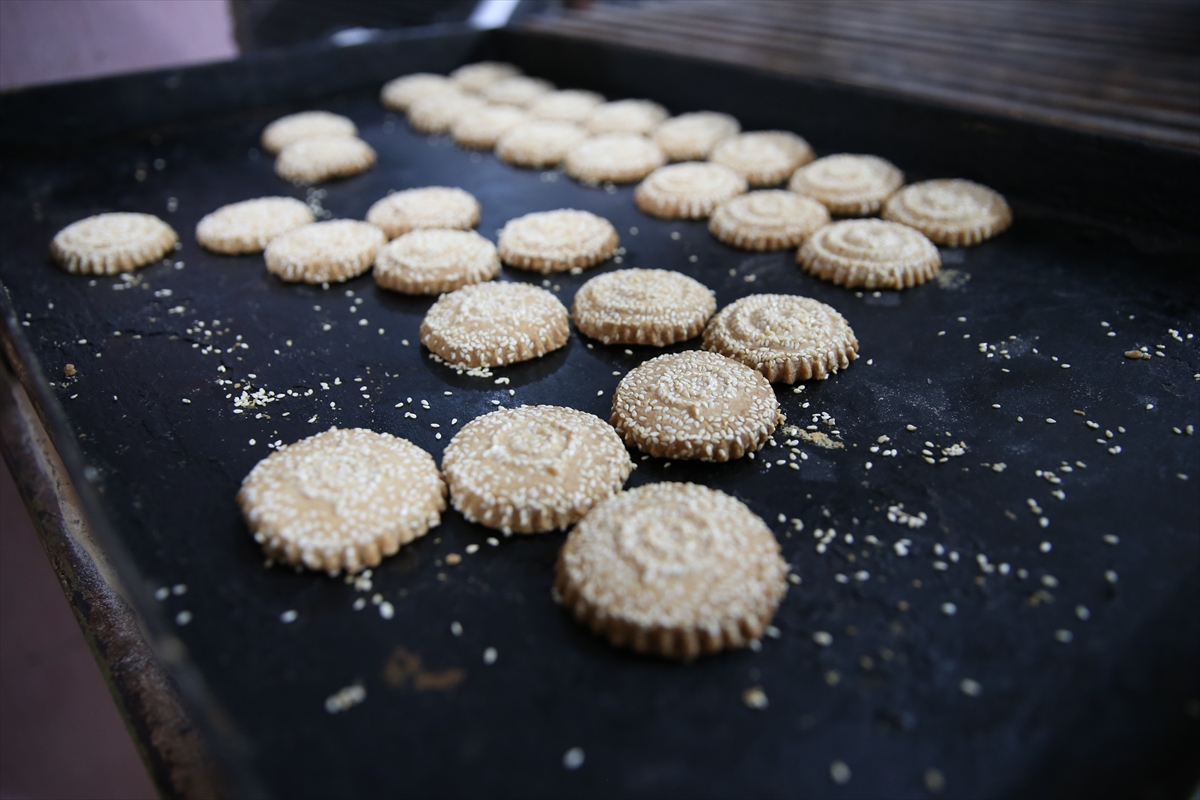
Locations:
(990, 698)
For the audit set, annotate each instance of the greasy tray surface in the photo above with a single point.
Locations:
(167, 452)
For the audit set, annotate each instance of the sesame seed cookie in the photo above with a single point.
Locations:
(400, 93)
(568, 105)
(767, 220)
(785, 337)
(427, 207)
(324, 252)
(481, 129)
(557, 241)
(691, 137)
(614, 157)
(674, 569)
(304, 125)
(533, 469)
(654, 307)
(849, 185)
(539, 143)
(249, 226)
(519, 90)
(625, 116)
(493, 324)
(324, 157)
(871, 254)
(955, 213)
(763, 158)
(435, 261)
(342, 500)
(106, 244)
(437, 113)
(482, 74)
(687, 191)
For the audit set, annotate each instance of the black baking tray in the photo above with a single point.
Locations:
(1105, 240)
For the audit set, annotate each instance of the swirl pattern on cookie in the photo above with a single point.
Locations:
(426, 207)
(848, 185)
(557, 241)
(324, 252)
(539, 143)
(322, 158)
(625, 116)
(955, 213)
(493, 324)
(871, 254)
(687, 191)
(767, 220)
(434, 261)
(614, 157)
(692, 136)
(106, 244)
(763, 158)
(642, 306)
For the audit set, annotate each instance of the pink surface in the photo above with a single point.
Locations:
(50, 41)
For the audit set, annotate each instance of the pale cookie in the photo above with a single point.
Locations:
(848, 185)
(428, 207)
(870, 254)
(767, 220)
(687, 191)
(324, 252)
(402, 92)
(695, 405)
(342, 500)
(438, 113)
(304, 125)
(481, 129)
(625, 116)
(557, 241)
(691, 137)
(786, 338)
(435, 261)
(763, 158)
(539, 143)
(674, 569)
(568, 105)
(615, 158)
(110, 243)
(493, 324)
(533, 469)
(322, 158)
(654, 307)
(482, 74)
(955, 213)
(249, 226)
(519, 90)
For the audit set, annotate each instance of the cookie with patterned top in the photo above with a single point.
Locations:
(687, 191)
(427, 207)
(625, 116)
(110, 243)
(539, 143)
(763, 158)
(438, 113)
(692, 136)
(324, 252)
(568, 105)
(871, 254)
(614, 158)
(557, 241)
(402, 92)
(482, 128)
(849, 185)
(655, 307)
(305, 125)
(519, 90)
(323, 158)
(767, 220)
(435, 261)
(482, 74)
(249, 226)
(493, 324)
(955, 213)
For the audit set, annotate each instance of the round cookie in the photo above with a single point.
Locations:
(342, 500)
(557, 241)
(687, 191)
(533, 469)
(568, 105)
(435, 261)
(427, 207)
(482, 74)
(539, 143)
(674, 569)
(871, 254)
(304, 125)
(763, 158)
(106, 244)
(519, 90)
(695, 405)
(625, 116)
(481, 129)
(324, 252)
(955, 213)
(493, 324)
(438, 113)
(249, 226)
(324, 157)
(848, 185)
(614, 157)
(767, 220)
(654, 307)
(785, 337)
(400, 93)
(691, 137)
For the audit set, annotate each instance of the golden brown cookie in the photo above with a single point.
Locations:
(519, 90)
(438, 113)
(481, 129)
(674, 569)
(955, 213)
(249, 226)
(482, 74)
(785, 337)
(539, 143)
(323, 158)
(427, 207)
(435, 261)
(533, 469)
(324, 252)
(615, 158)
(871, 254)
(557, 241)
(625, 116)
(767, 220)
(691, 137)
(304, 125)
(763, 158)
(849, 185)
(110, 243)
(342, 500)
(687, 191)
(568, 105)
(402, 92)
(493, 324)
(654, 307)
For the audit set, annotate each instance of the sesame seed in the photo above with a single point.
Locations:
(1110, 576)
(183, 617)
(573, 758)
(970, 687)
(949, 609)
(1083, 613)
(935, 781)
(456, 628)
(1063, 635)
(490, 655)
(755, 698)
(288, 616)
(823, 638)
(839, 772)
(386, 610)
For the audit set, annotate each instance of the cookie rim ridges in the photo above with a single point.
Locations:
(713, 127)
(328, 124)
(747, 236)
(609, 326)
(963, 232)
(861, 204)
(157, 239)
(295, 268)
(652, 113)
(853, 273)
(213, 234)
(521, 148)
(401, 92)
(657, 202)
(334, 157)
(589, 167)
(794, 151)
(570, 253)
(391, 272)
(390, 215)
